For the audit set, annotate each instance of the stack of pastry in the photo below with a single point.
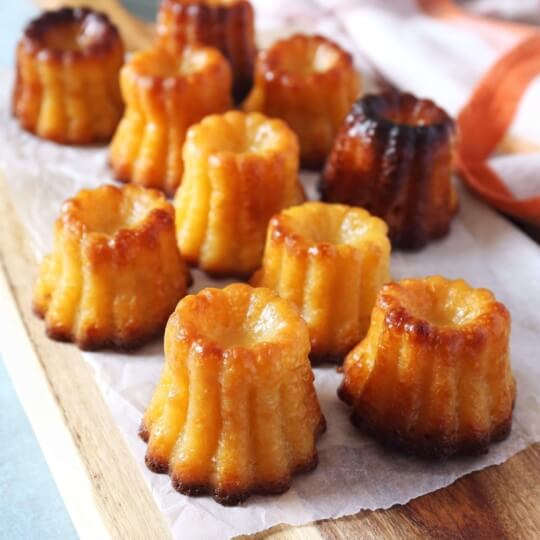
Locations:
(426, 361)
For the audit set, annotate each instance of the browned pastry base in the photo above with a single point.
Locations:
(91, 340)
(224, 496)
(425, 446)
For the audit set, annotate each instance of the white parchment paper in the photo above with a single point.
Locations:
(354, 473)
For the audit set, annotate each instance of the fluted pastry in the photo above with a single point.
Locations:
(240, 169)
(227, 25)
(115, 273)
(235, 412)
(311, 83)
(66, 88)
(330, 260)
(394, 157)
(433, 374)
(165, 94)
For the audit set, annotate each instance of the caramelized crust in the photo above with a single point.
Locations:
(330, 260)
(433, 375)
(115, 273)
(67, 88)
(235, 412)
(240, 170)
(394, 157)
(165, 94)
(227, 25)
(311, 83)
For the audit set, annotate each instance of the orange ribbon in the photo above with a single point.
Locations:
(485, 119)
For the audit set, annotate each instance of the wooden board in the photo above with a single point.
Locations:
(105, 492)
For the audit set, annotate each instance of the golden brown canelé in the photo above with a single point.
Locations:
(240, 170)
(433, 375)
(66, 87)
(165, 94)
(235, 412)
(330, 260)
(227, 25)
(115, 273)
(394, 157)
(311, 83)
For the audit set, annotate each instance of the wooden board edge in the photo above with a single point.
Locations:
(46, 418)
(95, 471)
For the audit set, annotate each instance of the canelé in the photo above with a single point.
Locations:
(165, 94)
(227, 25)
(235, 412)
(433, 375)
(330, 260)
(311, 83)
(240, 170)
(115, 274)
(394, 157)
(66, 87)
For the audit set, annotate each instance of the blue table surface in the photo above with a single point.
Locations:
(30, 504)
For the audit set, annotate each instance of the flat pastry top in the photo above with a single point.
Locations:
(322, 227)
(116, 213)
(239, 321)
(241, 134)
(302, 59)
(71, 33)
(438, 309)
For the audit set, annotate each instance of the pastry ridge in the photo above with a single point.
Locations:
(235, 412)
(110, 281)
(330, 260)
(66, 88)
(433, 376)
(311, 83)
(394, 156)
(165, 94)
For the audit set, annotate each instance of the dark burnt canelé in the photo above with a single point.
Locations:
(394, 157)
(67, 87)
(227, 25)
